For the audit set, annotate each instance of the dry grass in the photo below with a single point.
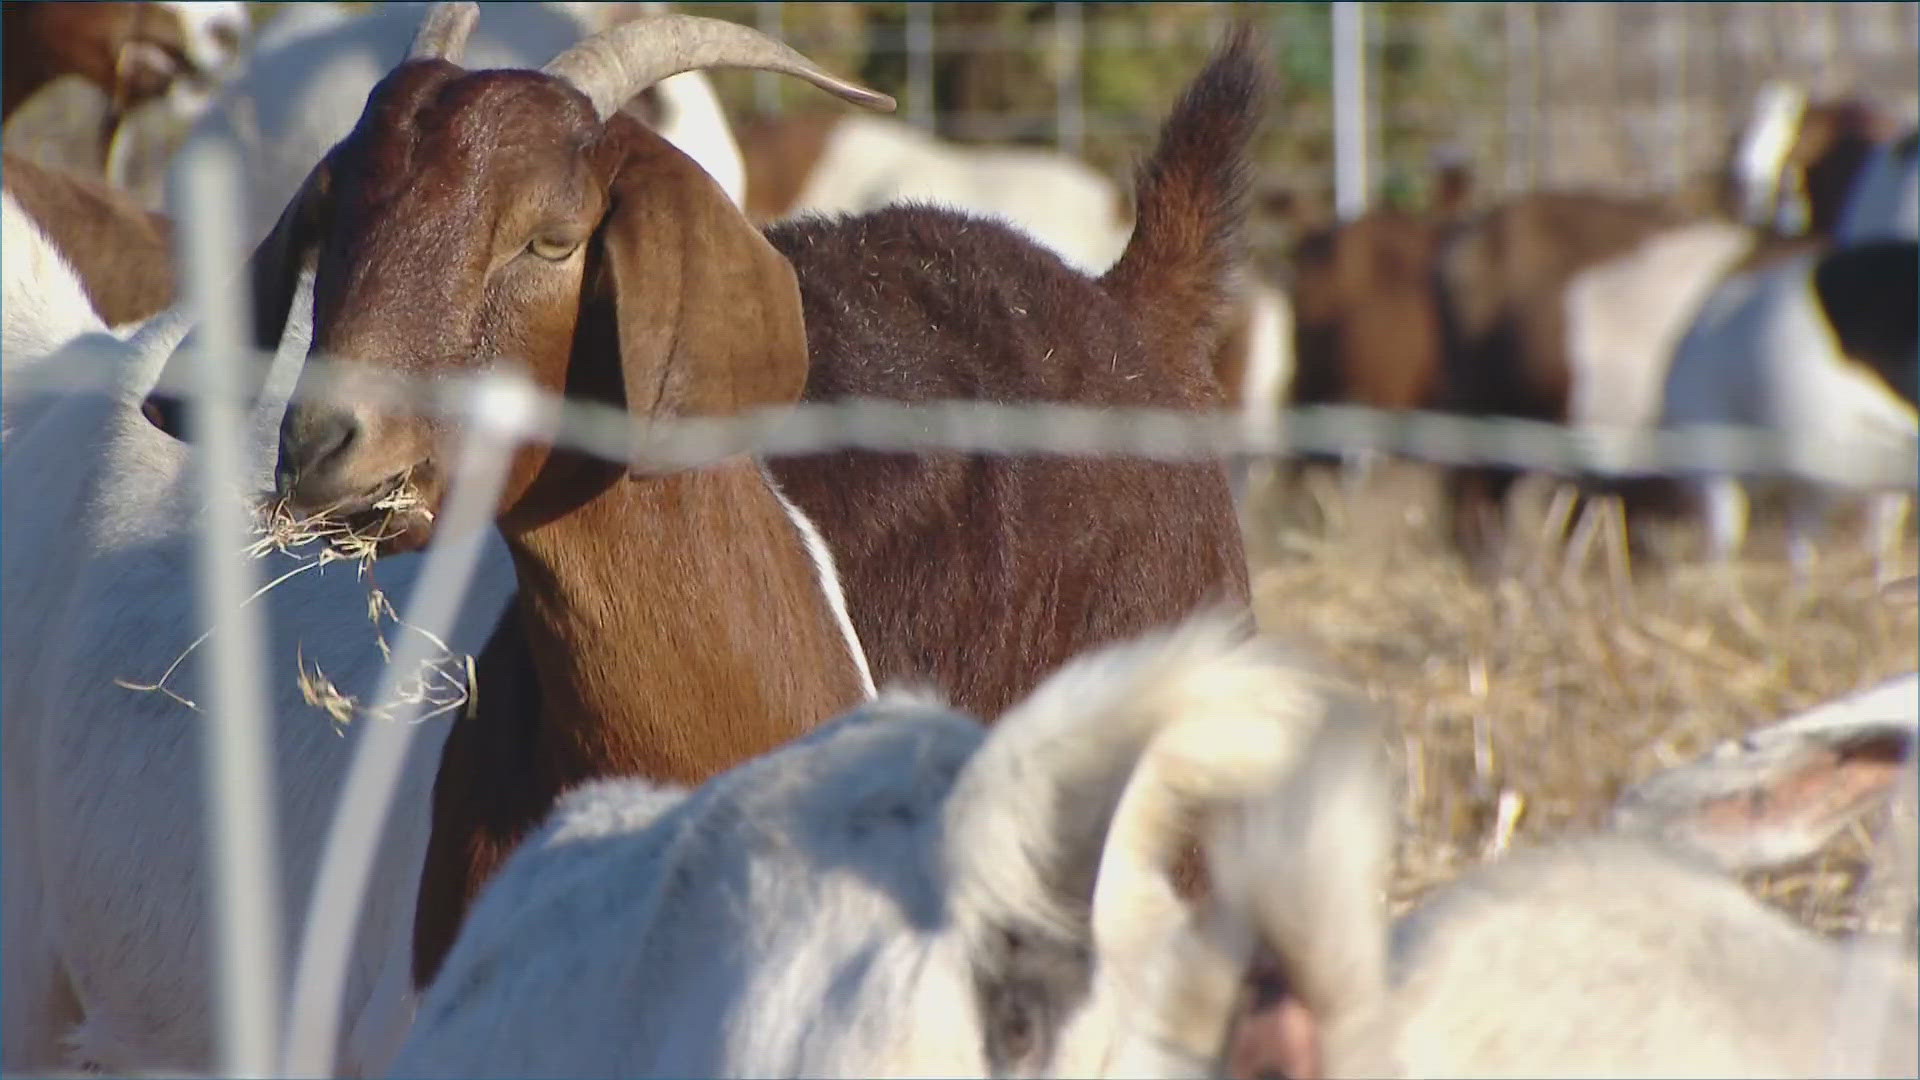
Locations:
(440, 685)
(1525, 705)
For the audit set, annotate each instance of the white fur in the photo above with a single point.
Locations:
(42, 307)
(1625, 315)
(820, 910)
(827, 572)
(870, 162)
(200, 21)
(308, 80)
(1761, 353)
(1763, 149)
(1884, 199)
(1598, 956)
(1269, 377)
(105, 847)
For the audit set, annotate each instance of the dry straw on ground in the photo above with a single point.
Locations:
(1524, 706)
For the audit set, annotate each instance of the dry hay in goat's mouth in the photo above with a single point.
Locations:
(443, 682)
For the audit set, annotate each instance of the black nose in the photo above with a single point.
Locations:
(313, 443)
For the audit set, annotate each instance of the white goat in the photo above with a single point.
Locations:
(104, 887)
(42, 307)
(1817, 348)
(1884, 200)
(869, 162)
(900, 892)
(1598, 956)
(308, 80)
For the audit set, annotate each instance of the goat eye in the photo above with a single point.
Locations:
(553, 249)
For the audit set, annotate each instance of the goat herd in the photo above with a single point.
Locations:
(695, 814)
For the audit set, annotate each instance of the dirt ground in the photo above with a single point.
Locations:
(1547, 691)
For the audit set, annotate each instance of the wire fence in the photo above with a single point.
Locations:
(1640, 97)
(259, 1037)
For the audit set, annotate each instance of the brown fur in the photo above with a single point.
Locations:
(666, 626)
(42, 41)
(122, 253)
(978, 573)
(1035, 559)
(1833, 144)
(780, 155)
(1366, 326)
(1503, 275)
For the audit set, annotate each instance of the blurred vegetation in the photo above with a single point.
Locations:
(1005, 61)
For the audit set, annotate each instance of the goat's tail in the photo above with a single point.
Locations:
(1179, 269)
(1306, 869)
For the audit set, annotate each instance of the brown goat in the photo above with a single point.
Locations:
(121, 252)
(979, 574)
(666, 626)
(132, 51)
(1366, 328)
(1504, 277)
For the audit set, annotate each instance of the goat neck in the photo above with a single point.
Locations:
(676, 626)
(666, 627)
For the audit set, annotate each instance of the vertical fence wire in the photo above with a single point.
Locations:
(1350, 129)
(241, 818)
(1070, 105)
(500, 412)
(919, 45)
(769, 18)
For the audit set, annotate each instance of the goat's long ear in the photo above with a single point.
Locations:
(705, 312)
(1779, 794)
(1065, 832)
(274, 273)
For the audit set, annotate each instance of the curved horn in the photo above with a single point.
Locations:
(612, 66)
(443, 32)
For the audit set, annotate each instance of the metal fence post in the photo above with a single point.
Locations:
(240, 807)
(1070, 107)
(1349, 109)
(769, 17)
(920, 66)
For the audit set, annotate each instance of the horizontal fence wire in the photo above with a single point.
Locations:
(1162, 434)
(497, 415)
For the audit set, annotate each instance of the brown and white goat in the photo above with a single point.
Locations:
(621, 273)
(133, 52)
(1564, 307)
(121, 252)
(1793, 165)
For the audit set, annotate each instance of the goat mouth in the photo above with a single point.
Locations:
(392, 517)
(396, 515)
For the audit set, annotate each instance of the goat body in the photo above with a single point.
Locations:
(914, 304)
(1564, 307)
(898, 893)
(1594, 956)
(1884, 202)
(106, 864)
(121, 252)
(131, 51)
(1821, 348)
(849, 164)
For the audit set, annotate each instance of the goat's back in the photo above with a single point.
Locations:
(1611, 957)
(917, 304)
(121, 251)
